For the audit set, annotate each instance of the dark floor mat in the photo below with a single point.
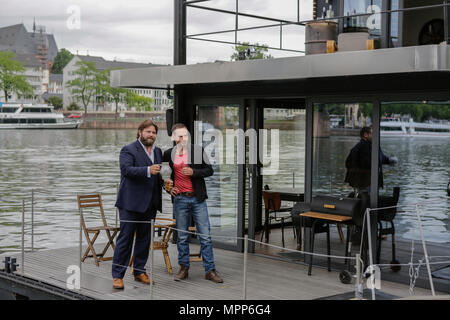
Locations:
(367, 294)
(442, 273)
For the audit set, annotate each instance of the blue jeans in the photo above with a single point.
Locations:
(183, 208)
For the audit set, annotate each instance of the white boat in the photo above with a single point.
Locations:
(394, 126)
(38, 116)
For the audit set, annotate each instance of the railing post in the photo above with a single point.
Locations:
(245, 267)
(358, 291)
(369, 238)
(425, 252)
(22, 266)
(32, 220)
(151, 257)
(117, 209)
(80, 246)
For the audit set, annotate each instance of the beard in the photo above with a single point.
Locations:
(147, 142)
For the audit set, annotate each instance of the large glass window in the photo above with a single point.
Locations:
(395, 26)
(367, 23)
(213, 125)
(336, 132)
(286, 146)
(417, 133)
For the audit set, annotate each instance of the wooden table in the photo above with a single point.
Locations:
(334, 218)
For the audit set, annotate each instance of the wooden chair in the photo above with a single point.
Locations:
(95, 201)
(272, 202)
(195, 257)
(162, 244)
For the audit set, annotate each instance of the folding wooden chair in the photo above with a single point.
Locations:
(95, 201)
(195, 257)
(163, 243)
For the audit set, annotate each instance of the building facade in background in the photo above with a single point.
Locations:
(36, 51)
(160, 97)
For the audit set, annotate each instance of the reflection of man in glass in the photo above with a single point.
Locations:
(190, 166)
(359, 161)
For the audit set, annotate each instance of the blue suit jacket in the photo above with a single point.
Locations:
(137, 192)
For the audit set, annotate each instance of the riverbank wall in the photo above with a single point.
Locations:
(126, 120)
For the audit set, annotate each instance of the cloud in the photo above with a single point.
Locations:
(142, 31)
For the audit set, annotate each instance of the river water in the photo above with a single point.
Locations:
(58, 164)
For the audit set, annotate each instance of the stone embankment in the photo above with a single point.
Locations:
(128, 120)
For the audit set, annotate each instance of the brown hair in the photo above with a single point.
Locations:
(364, 130)
(178, 126)
(145, 124)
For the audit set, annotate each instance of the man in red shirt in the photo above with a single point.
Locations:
(190, 166)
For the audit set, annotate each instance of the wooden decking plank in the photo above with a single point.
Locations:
(266, 278)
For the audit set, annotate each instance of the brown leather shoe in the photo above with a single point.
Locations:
(118, 283)
(143, 277)
(182, 274)
(213, 276)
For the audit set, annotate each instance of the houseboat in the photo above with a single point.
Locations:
(366, 53)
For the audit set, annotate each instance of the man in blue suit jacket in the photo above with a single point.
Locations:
(138, 199)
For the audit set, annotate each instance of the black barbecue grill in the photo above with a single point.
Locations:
(351, 207)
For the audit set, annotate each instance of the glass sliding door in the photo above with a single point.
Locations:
(282, 166)
(214, 123)
(417, 134)
(336, 128)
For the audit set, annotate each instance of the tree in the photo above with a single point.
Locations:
(56, 102)
(141, 103)
(86, 84)
(61, 60)
(10, 79)
(116, 95)
(250, 51)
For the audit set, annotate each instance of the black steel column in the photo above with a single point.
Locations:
(242, 178)
(309, 150)
(252, 190)
(179, 56)
(374, 173)
(385, 23)
(446, 23)
(179, 38)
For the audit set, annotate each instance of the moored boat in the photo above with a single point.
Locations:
(29, 116)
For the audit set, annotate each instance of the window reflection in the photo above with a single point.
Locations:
(368, 23)
(336, 131)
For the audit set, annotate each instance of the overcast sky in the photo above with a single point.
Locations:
(142, 31)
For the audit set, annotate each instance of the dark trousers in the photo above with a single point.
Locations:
(124, 243)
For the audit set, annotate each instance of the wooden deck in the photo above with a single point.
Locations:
(267, 279)
(403, 255)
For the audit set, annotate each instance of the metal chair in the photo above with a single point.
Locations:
(272, 202)
(95, 201)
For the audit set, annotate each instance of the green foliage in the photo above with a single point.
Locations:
(260, 51)
(141, 103)
(73, 107)
(115, 95)
(61, 60)
(56, 102)
(87, 84)
(10, 78)
(419, 111)
(366, 109)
